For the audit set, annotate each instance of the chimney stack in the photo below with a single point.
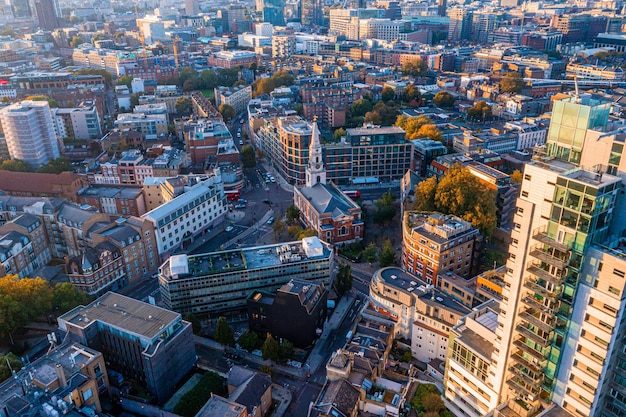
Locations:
(60, 375)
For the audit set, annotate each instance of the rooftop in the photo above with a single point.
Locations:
(244, 259)
(437, 227)
(374, 130)
(123, 312)
(219, 406)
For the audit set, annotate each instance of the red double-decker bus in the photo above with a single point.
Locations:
(232, 195)
(353, 193)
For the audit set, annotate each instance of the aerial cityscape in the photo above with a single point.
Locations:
(314, 208)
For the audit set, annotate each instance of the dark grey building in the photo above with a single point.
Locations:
(148, 344)
(295, 312)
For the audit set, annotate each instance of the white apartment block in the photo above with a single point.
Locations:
(78, 123)
(236, 97)
(384, 29)
(190, 215)
(283, 46)
(29, 131)
(529, 135)
(151, 126)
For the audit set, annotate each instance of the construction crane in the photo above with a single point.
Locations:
(142, 39)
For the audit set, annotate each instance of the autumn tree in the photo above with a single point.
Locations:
(388, 93)
(22, 301)
(443, 99)
(517, 176)
(76, 41)
(267, 85)
(462, 194)
(224, 333)
(51, 102)
(415, 67)
(65, 297)
(512, 83)
(411, 93)
(361, 107)
(339, 133)
(16, 165)
(418, 127)
(373, 118)
(227, 111)
(8, 362)
(430, 131)
(183, 105)
(480, 111)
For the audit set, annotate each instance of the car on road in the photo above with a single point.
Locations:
(238, 134)
(243, 200)
(270, 221)
(266, 201)
(240, 206)
(272, 179)
(241, 142)
(229, 228)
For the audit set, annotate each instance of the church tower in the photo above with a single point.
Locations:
(315, 172)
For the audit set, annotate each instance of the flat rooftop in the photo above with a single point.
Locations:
(218, 406)
(123, 312)
(244, 259)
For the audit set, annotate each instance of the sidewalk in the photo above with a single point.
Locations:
(279, 178)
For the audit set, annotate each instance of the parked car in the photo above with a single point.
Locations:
(270, 221)
(266, 201)
(229, 228)
(240, 206)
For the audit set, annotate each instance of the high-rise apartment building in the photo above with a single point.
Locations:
(48, 14)
(21, 9)
(29, 132)
(558, 338)
(274, 12)
(460, 28)
(283, 46)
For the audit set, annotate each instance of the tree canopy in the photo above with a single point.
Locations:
(385, 209)
(16, 165)
(65, 297)
(415, 67)
(361, 107)
(96, 71)
(51, 102)
(480, 111)
(343, 282)
(248, 157)
(56, 166)
(512, 83)
(267, 85)
(248, 341)
(411, 93)
(462, 194)
(224, 333)
(126, 80)
(227, 111)
(8, 362)
(388, 93)
(192, 401)
(419, 127)
(443, 99)
(383, 114)
(387, 255)
(292, 214)
(22, 301)
(183, 105)
(270, 349)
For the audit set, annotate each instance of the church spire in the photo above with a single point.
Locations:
(316, 172)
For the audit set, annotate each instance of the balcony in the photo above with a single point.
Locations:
(532, 366)
(543, 274)
(540, 289)
(542, 236)
(533, 381)
(526, 332)
(517, 385)
(527, 349)
(536, 321)
(547, 258)
(536, 304)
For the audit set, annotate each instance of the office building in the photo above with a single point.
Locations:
(29, 131)
(203, 138)
(211, 283)
(148, 344)
(21, 9)
(192, 8)
(48, 14)
(273, 12)
(433, 243)
(312, 13)
(460, 28)
(190, 215)
(78, 123)
(298, 301)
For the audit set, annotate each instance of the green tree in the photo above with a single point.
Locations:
(387, 255)
(196, 326)
(183, 105)
(361, 107)
(443, 99)
(224, 333)
(76, 41)
(192, 401)
(65, 297)
(126, 80)
(278, 227)
(8, 362)
(185, 74)
(411, 93)
(208, 79)
(339, 133)
(425, 195)
(285, 350)
(388, 93)
(385, 209)
(22, 301)
(415, 67)
(270, 349)
(248, 157)
(480, 111)
(227, 112)
(16, 165)
(134, 101)
(343, 281)
(369, 253)
(96, 71)
(512, 83)
(249, 341)
(56, 166)
(388, 112)
(517, 176)
(292, 214)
